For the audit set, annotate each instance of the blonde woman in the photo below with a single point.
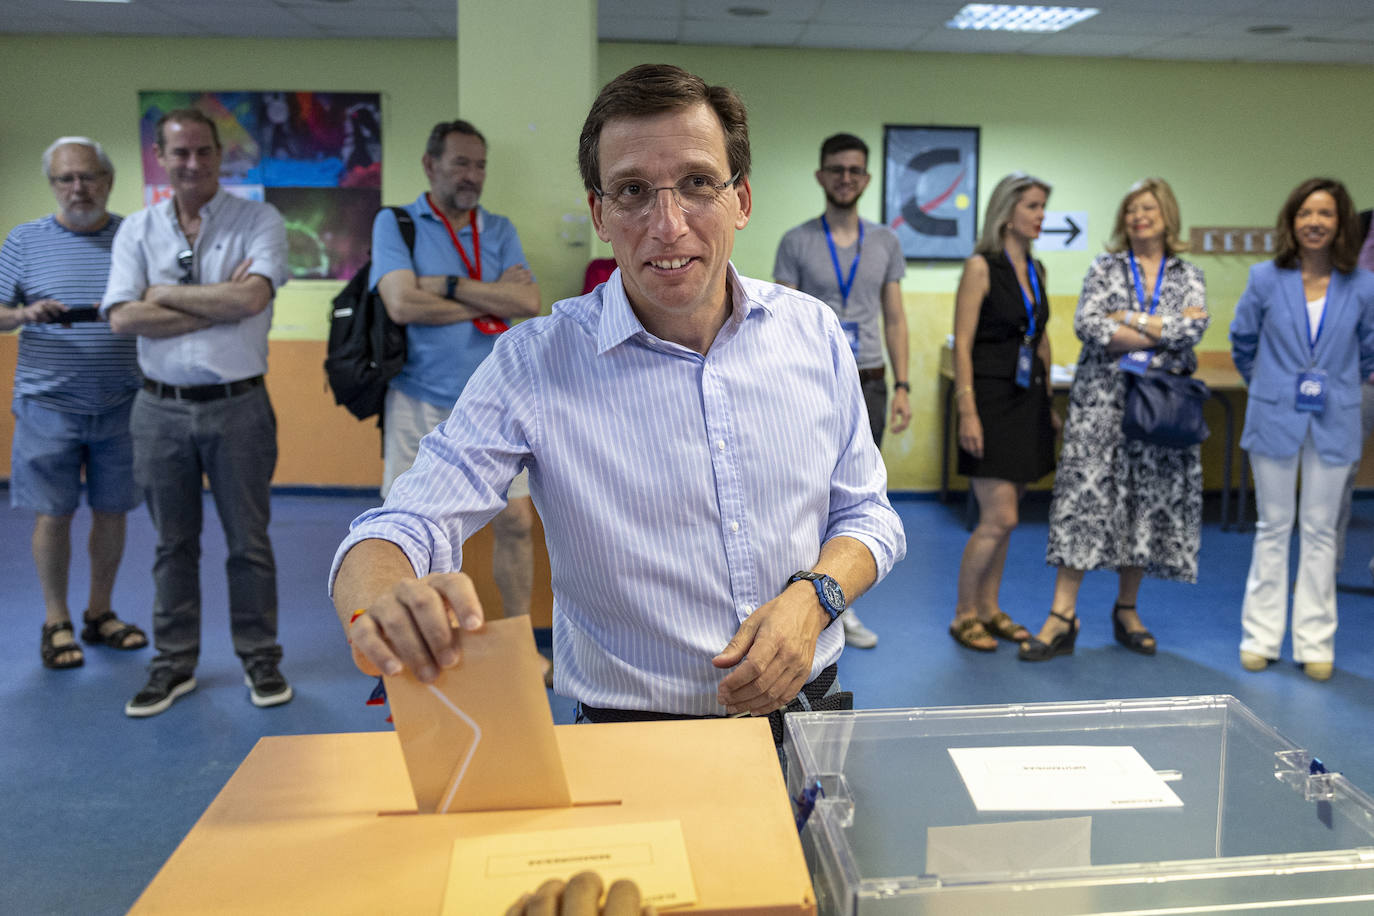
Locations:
(1122, 504)
(1002, 390)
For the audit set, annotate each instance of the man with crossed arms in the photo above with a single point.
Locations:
(467, 275)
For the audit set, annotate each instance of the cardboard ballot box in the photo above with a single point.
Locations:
(1188, 804)
(326, 823)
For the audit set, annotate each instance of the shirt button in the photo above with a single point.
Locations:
(734, 526)
(720, 445)
(746, 609)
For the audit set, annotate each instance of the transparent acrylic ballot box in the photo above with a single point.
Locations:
(1261, 827)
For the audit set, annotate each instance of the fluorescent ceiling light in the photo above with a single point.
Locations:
(1000, 17)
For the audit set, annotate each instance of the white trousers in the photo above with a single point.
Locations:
(1265, 610)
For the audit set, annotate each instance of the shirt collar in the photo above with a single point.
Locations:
(211, 207)
(619, 323)
(425, 210)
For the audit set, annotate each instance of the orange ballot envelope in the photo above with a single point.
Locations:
(480, 737)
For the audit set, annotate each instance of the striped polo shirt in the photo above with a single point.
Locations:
(82, 369)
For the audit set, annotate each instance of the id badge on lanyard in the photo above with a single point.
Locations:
(1025, 360)
(1311, 390)
(486, 324)
(850, 328)
(1137, 362)
(1025, 355)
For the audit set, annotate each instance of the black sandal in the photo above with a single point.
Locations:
(1142, 641)
(50, 652)
(94, 634)
(1033, 650)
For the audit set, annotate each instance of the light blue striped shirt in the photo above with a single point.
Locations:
(677, 491)
(85, 368)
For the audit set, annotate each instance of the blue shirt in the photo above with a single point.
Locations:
(231, 229)
(440, 358)
(85, 368)
(677, 491)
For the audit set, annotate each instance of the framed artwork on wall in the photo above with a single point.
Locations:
(930, 189)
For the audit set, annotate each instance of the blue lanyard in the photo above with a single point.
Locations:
(1035, 292)
(1139, 288)
(1326, 307)
(845, 285)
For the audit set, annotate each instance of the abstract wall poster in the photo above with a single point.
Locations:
(930, 190)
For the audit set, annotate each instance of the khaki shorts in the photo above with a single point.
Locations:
(408, 420)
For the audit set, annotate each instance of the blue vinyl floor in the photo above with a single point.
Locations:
(94, 802)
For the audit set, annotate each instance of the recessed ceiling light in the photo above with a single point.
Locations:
(747, 12)
(989, 17)
(1269, 29)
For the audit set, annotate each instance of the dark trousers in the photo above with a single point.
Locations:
(874, 387)
(233, 443)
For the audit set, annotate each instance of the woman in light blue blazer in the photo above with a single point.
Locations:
(1302, 338)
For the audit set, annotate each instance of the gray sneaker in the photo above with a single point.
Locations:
(162, 690)
(855, 633)
(266, 686)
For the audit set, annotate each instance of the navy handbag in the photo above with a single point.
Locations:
(1165, 409)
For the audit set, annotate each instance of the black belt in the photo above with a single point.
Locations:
(201, 392)
(812, 697)
(876, 374)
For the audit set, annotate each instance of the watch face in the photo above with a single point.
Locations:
(833, 594)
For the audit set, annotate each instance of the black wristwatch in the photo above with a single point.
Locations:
(903, 386)
(827, 590)
(450, 286)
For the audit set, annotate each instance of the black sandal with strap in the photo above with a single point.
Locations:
(1142, 641)
(93, 632)
(50, 652)
(1034, 650)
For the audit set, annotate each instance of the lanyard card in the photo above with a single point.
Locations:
(1311, 391)
(1135, 362)
(851, 334)
(1024, 361)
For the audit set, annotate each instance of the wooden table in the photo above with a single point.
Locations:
(326, 823)
(1214, 368)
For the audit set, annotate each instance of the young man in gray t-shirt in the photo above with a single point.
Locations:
(856, 268)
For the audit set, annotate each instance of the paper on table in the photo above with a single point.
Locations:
(1060, 778)
(480, 737)
(489, 873)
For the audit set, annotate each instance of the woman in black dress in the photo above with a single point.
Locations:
(1003, 394)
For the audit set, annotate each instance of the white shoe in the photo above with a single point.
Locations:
(855, 633)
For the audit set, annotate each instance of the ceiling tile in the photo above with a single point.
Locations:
(1090, 45)
(740, 32)
(860, 37)
(628, 29)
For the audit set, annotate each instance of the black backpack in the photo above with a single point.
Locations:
(366, 348)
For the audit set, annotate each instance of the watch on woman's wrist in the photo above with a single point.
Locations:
(450, 286)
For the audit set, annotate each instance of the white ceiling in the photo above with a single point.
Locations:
(1321, 31)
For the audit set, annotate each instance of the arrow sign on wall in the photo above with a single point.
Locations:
(1064, 230)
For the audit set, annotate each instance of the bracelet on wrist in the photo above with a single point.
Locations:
(902, 386)
(967, 389)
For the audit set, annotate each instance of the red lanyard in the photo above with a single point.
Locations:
(474, 272)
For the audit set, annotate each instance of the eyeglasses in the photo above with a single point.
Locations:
(632, 198)
(186, 260)
(839, 171)
(70, 178)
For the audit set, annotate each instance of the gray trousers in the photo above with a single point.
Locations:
(233, 442)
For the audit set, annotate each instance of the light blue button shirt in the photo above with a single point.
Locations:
(677, 491)
(145, 254)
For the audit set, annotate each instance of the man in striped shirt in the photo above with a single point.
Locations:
(74, 382)
(698, 449)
